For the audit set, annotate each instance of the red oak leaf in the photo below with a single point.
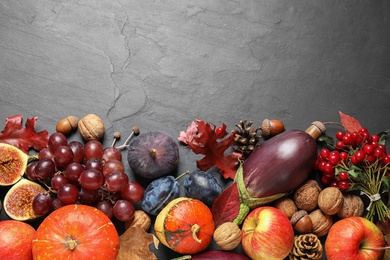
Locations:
(23, 138)
(349, 123)
(213, 144)
(226, 206)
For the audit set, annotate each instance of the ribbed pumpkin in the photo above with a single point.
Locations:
(185, 225)
(76, 232)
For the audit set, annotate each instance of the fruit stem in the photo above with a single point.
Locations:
(71, 243)
(195, 229)
(181, 175)
(153, 153)
(117, 135)
(135, 132)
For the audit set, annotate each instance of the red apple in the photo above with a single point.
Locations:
(354, 238)
(267, 234)
(16, 240)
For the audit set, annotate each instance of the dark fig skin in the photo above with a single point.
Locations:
(153, 154)
(280, 164)
(218, 255)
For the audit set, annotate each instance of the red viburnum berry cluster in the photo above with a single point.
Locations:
(358, 148)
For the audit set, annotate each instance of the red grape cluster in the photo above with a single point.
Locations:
(88, 174)
(358, 148)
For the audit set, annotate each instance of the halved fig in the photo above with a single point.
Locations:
(153, 154)
(13, 163)
(18, 200)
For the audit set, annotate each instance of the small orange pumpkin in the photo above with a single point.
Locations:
(76, 232)
(185, 225)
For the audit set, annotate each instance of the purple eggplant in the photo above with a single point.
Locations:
(274, 168)
(215, 255)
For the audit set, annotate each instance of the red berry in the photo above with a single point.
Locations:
(329, 175)
(334, 184)
(324, 153)
(343, 185)
(374, 138)
(370, 158)
(366, 136)
(340, 145)
(347, 139)
(386, 159)
(343, 176)
(354, 160)
(343, 156)
(218, 130)
(334, 157)
(368, 148)
(383, 147)
(326, 181)
(379, 153)
(340, 135)
(360, 155)
(327, 168)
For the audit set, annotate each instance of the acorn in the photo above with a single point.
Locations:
(67, 125)
(271, 127)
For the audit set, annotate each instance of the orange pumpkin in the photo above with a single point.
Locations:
(185, 225)
(77, 232)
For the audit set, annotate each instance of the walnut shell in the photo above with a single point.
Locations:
(287, 206)
(352, 205)
(227, 236)
(330, 200)
(306, 196)
(91, 127)
(141, 219)
(321, 222)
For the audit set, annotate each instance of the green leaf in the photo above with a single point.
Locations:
(383, 137)
(329, 141)
(385, 184)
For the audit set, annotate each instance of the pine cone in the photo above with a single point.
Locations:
(246, 138)
(306, 246)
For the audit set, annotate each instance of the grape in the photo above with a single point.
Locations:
(78, 151)
(63, 156)
(45, 168)
(105, 207)
(111, 153)
(123, 210)
(45, 153)
(159, 193)
(68, 194)
(132, 191)
(30, 171)
(57, 181)
(91, 179)
(41, 204)
(93, 149)
(56, 203)
(202, 186)
(73, 172)
(89, 197)
(112, 166)
(94, 163)
(115, 181)
(56, 140)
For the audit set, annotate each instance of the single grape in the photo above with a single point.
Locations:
(132, 191)
(116, 181)
(105, 207)
(89, 197)
(95, 164)
(56, 140)
(93, 149)
(91, 179)
(45, 153)
(68, 194)
(57, 181)
(73, 171)
(78, 151)
(42, 204)
(56, 204)
(63, 156)
(123, 210)
(112, 166)
(30, 171)
(111, 153)
(45, 168)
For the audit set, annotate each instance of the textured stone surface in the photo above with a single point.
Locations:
(161, 64)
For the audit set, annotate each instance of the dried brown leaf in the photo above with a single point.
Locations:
(134, 245)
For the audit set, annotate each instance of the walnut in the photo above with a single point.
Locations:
(352, 205)
(141, 219)
(227, 236)
(287, 206)
(330, 200)
(321, 222)
(306, 196)
(91, 127)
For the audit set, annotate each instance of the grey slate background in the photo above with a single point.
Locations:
(162, 64)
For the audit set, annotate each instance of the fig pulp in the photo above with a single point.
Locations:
(13, 163)
(153, 154)
(18, 201)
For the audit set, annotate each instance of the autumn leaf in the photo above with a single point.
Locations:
(212, 145)
(188, 136)
(226, 206)
(134, 245)
(350, 123)
(23, 138)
